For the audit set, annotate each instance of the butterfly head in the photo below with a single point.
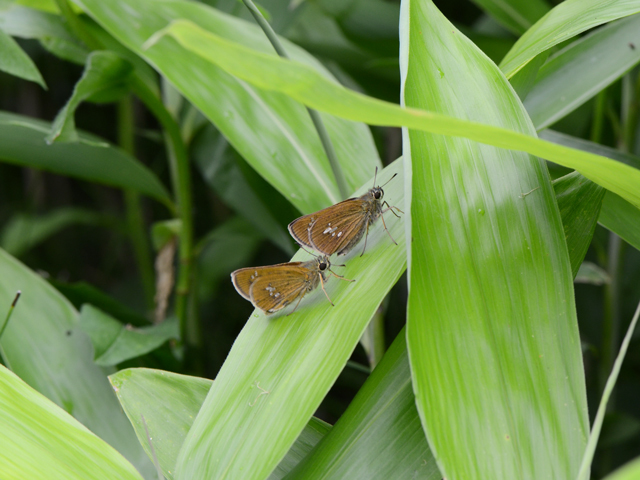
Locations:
(377, 193)
(323, 263)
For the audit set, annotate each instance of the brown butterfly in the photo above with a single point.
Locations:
(274, 287)
(340, 227)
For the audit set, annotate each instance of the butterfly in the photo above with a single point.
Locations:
(274, 287)
(340, 227)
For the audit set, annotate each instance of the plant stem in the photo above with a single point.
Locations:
(315, 116)
(598, 116)
(181, 180)
(135, 221)
(76, 26)
(611, 320)
(10, 312)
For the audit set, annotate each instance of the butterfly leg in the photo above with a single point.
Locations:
(366, 235)
(393, 209)
(340, 276)
(387, 230)
(325, 292)
(296, 307)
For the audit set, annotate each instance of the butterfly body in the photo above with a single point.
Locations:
(274, 287)
(337, 229)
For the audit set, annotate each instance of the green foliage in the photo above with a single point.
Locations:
(204, 150)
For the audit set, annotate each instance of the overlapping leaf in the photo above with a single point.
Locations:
(307, 86)
(281, 367)
(272, 132)
(43, 345)
(39, 440)
(491, 329)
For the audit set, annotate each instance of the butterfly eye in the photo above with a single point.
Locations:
(322, 266)
(378, 194)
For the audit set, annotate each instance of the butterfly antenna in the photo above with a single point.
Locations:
(375, 175)
(310, 253)
(394, 176)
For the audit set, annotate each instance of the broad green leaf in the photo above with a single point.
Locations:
(48, 28)
(516, 15)
(114, 342)
(22, 232)
(523, 81)
(616, 214)
(105, 79)
(169, 403)
(579, 202)
(23, 143)
(15, 61)
(579, 71)
(271, 131)
(39, 440)
(221, 168)
(380, 435)
(310, 88)
(281, 366)
(630, 471)
(565, 21)
(44, 346)
(491, 324)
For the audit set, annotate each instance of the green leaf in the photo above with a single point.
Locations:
(579, 71)
(114, 342)
(565, 21)
(622, 218)
(15, 61)
(22, 232)
(23, 143)
(491, 324)
(256, 201)
(105, 79)
(380, 435)
(310, 88)
(50, 29)
(516, 15)
(164, 231)
(616, 214)
(39, 440)
(592, 274)
(271, 131)
(579, 202)
(169, 403)
(281, 367)
(630, 471)
(43, 345)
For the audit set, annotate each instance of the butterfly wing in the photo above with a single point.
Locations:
(244, 277)
(276, 287)
(339, 227)
(242, 280)
(299, 229)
